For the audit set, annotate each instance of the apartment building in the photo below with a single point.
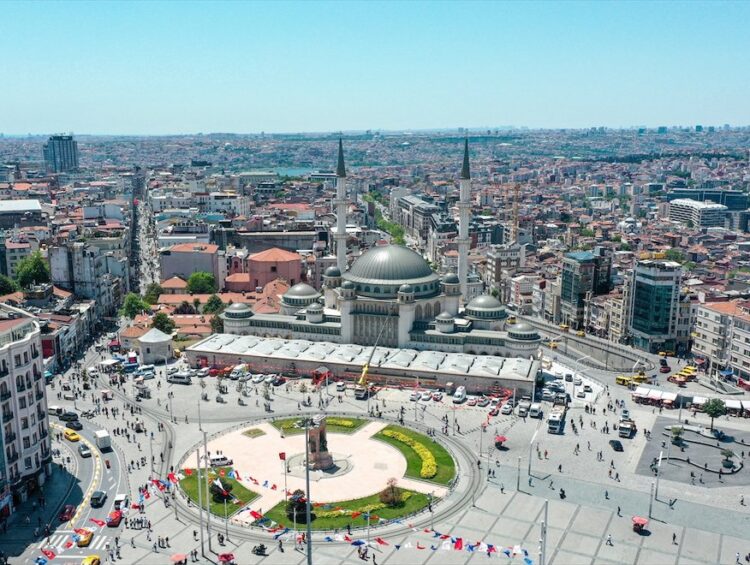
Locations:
(721, 340)
(25, 456)
(697, 214)
(655, 305)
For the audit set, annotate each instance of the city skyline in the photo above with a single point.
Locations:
(146, 69)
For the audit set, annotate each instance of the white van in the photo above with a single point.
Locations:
(55, 410)
(143, 369)
(180, 379)
(535, 411)
(460, 395)
(220, 461)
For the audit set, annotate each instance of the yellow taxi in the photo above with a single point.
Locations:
(553, 345)
(70, 435)
(92, 560)
(84, 537)
(688, 369)
(512, 320)
(564, 327)
(623, 380)
(580, 333)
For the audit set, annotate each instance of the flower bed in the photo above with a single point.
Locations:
(429, 465)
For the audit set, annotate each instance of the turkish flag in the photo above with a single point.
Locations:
(48, 553)
(99, 523)
(221, 472)
(188, 472)
(282, 455)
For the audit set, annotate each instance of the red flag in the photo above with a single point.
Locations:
(146, 494)
(172, 478)
(347, 538)
(188, 472)
(221, 472)
(355, 514)
(420, 546)
(68, 544)
(48, 553)
(237, 475)
(459, 544)
(81, 531)
(256, 515)
(99, 523)
(282, 455)
(374, 517)
(273, 487)
(381, 541)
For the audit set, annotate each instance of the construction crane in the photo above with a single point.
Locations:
(362, 390)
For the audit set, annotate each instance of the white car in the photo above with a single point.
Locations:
(426, 395)
(414, 396)
(172, 370)
(506, 409)
(269, 379)
(257, 379)
(587, 388)
(577, 381)
(581, 393)
(340, 386)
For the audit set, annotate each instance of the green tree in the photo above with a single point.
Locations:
(163, 323)
(213, 305)
(32, 270)
(296, 508)
(714, 408)
(133, 305)
(7, 285)
(153, 292)
(391, 495)
(201, 282)
(221, 494)
(674, 255)
(217, 324)
(185, 308)
(586, 232)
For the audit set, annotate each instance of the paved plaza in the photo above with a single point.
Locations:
(498, 499)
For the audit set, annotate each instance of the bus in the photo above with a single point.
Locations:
(556, 421)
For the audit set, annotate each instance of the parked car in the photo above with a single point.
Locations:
(507, 408)
(615, 444)
(67, 512)
(495, 411)
(587, 388)
(114, 518)
(437, 396)
(98, 499)
(414, 396)
(577, 380)
(580, 393)
(74, 425)
(426, 395)
(471, 402)
(257, 379)
(340, 386)
(278, 380)
(269, 379)
(483, 402)
(665, 369)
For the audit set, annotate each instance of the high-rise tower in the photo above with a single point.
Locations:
(340, 204)
(464, 209)
(61, 153)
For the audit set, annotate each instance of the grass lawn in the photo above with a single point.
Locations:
(253, 432)
(331, 427)
(190, 486)
(415, 502)
(446, 468)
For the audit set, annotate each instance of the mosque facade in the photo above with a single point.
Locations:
(391, 297)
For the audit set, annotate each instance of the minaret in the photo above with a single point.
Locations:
(464, 209)
(340, 204)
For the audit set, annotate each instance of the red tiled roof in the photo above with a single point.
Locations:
(174, 282)
(194, 248)
(275, 255)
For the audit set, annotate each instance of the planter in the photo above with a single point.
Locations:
(727, 464)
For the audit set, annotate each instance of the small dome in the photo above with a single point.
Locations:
(302, 290)
(406, 289)
(315, 307)
(349, 285)
(523, 327)
(523, 331)
(451, 278)
(332, 271)
(238, 310)
(444, 316)
(484, 302)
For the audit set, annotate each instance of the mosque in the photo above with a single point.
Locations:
(390, 296)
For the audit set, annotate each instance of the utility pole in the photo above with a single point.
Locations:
(307, 488)
(543, 539)
(200, 499)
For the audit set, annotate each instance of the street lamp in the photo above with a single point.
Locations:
(531, 444)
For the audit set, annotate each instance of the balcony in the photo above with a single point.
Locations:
(4, 372)
(37, 376)
(21, 388)
(39, 395)
(10, 438)
(34, 354)
(7, 417)
(41, 414)
(44, 433)
(13, 457)
(4, 396)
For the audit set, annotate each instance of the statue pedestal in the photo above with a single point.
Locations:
(320, 459)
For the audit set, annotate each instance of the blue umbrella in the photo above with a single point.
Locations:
(358, 542)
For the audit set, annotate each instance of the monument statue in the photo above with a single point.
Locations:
(320, 459)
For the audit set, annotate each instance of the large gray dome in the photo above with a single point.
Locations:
(382, 270)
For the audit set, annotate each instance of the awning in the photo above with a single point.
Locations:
(733, 404)
(699, 361)
(726, 372)
(654, 394)
(746, 405)
(114, 343)
(641, 391)
(671, 396)
(699, 400)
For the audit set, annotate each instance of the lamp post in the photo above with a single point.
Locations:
(226, 520)
(200, 498)
(308, 504)
(518, 476)
(531, 444)
(543, 535)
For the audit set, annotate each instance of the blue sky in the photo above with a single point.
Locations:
(182, 67)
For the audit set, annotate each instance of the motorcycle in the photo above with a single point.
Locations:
(259, 549)
(220, 399)
(241, 402)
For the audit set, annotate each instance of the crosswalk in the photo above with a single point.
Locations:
(58, 540)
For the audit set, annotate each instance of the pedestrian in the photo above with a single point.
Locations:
(742, 500)
(606, 495)
(609, 540)
(674, 539)
(618, 511)
(281, 546)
